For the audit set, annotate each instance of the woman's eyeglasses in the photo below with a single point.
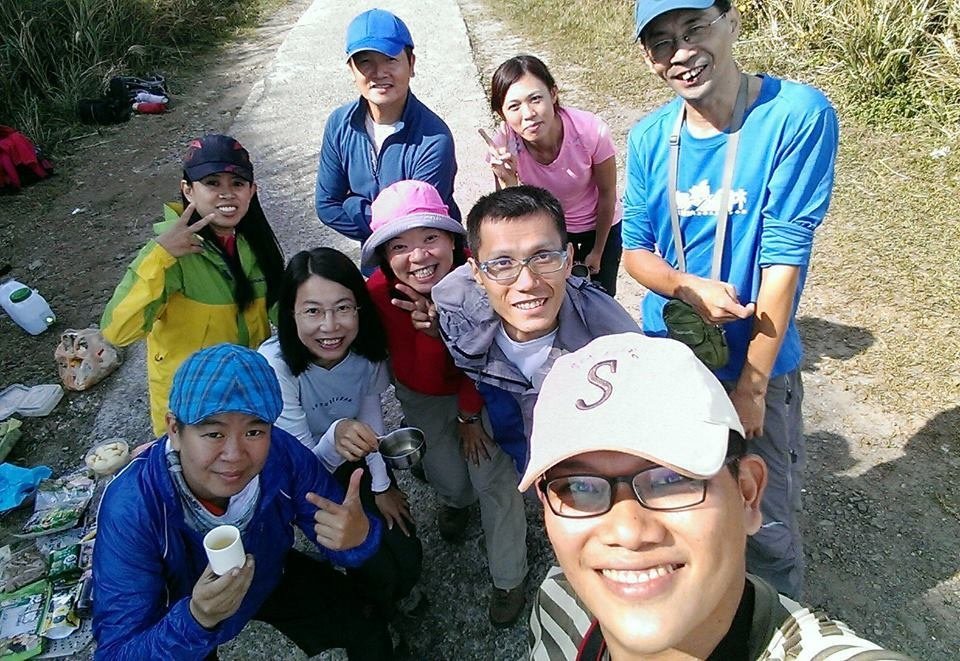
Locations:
(340, 312)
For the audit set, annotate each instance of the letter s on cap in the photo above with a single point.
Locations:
(605, 386)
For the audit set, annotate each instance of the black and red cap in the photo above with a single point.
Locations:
(217, 153)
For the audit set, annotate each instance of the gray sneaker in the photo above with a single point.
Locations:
(506, 606)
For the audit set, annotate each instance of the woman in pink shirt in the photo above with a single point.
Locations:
(567, 151)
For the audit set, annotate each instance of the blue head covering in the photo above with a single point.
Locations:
(225, 378)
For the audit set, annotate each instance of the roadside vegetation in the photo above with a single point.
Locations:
(885, 261)
(54, 53)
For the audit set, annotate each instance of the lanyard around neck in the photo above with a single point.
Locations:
(733, 142)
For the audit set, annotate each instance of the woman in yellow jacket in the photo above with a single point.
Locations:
(210, 275)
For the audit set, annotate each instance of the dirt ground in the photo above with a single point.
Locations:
(882, 508)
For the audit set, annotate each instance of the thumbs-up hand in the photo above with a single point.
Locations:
(423, 313)
(342, 526)
(181, 239)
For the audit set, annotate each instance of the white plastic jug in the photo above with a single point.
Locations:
(26, 307)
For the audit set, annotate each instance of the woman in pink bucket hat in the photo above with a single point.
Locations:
(415, 243)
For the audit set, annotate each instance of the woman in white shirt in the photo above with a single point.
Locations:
(330, 355)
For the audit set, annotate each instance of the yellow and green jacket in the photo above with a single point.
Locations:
(182, 305)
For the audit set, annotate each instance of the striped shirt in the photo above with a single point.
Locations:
(562, 629)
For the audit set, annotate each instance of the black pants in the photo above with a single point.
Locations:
(319, 608)
(610, 259)
(395, 568)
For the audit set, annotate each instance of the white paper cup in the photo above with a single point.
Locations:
(224, 549)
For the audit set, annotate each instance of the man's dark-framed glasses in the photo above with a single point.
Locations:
(663, 49)
(508, 269)
(657, 488)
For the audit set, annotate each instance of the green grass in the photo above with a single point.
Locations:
(54, 53)
(886, 258)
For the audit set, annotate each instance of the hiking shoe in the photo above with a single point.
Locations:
(452, 522)
(505, 606)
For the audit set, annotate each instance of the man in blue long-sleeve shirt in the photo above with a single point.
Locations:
(385, 136)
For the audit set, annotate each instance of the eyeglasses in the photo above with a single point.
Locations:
(342, 312)
(657, 488)
(507, 269)
(664, 49)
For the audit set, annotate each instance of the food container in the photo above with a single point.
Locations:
(403, 448)
(108, 457)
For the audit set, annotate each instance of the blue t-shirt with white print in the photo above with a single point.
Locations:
(781, 190)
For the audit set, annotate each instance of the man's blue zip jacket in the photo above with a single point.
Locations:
(147, 560)
(351, 174)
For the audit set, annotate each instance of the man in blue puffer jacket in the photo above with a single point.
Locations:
(223, 462)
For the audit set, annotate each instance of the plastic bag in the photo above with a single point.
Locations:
(59, 505)
(84, 358)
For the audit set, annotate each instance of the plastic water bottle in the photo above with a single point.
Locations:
(26, 307)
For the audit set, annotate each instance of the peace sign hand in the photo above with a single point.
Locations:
(423, 313)
(342, 526)
(182, 239)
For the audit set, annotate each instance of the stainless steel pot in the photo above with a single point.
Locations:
(403, 448)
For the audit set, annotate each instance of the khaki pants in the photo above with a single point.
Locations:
(460, 483)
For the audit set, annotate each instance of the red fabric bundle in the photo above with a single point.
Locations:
(19, 162)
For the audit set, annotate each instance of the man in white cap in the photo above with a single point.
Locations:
(385, 136)
(648, 497)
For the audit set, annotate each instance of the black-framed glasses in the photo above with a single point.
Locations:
(507, 269)
(663, 50)
(657, 488)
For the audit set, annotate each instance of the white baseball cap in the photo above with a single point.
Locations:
(645, 396)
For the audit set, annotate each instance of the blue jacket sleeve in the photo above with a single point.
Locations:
(437, 166)
(337, 206)
(131, 618)
(799, 192)
(314, 477)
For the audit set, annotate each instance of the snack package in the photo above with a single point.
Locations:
(84, 358)
(59, 504)
(60, 619)
(64, 562)
(21, 614)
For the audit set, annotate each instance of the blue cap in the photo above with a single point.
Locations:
(225, 378)
(647, 10)
(377, 30)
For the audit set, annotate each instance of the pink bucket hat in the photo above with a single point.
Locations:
(403, 206)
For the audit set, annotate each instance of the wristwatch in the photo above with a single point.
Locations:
(469, 420)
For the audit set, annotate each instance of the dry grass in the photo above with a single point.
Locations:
(54, 53)
(886, 259)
